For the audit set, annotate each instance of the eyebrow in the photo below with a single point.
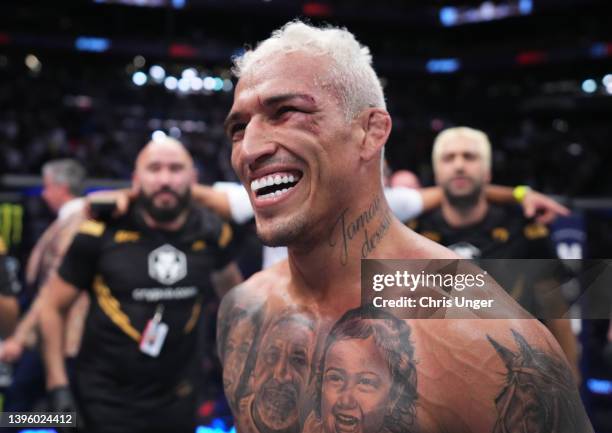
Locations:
(277, 99)
(270, 101)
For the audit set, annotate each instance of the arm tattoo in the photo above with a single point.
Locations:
(539, 394)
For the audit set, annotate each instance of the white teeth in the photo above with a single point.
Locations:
(275, 193)
(263, 182)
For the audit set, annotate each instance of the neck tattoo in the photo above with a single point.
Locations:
(350, 229)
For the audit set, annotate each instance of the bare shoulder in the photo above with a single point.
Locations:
(496, 375)
(419, 247)
(258, 290)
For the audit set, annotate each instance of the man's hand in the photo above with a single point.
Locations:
(61, 399)
(121, 198)
(11, 350)
(543, 208)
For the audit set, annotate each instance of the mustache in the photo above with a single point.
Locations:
(275, 159)
(165, 190)
(282, 396)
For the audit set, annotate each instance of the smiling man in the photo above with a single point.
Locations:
(308, 126)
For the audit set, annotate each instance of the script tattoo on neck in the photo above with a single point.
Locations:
(539, 394)
(350, 229)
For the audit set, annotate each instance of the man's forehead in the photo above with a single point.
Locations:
(285, 73)
(163, 152)
(460, 144)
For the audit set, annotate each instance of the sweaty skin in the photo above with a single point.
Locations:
(315, 361)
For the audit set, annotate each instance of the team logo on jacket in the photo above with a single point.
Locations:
(167, 264)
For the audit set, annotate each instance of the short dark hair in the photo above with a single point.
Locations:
(392, 336)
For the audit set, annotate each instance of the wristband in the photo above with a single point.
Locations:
(520, 192)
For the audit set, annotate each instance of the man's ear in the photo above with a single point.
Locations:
(135, 187)
(376, 124)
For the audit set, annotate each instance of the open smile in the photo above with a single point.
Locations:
(275, 185)
(345, 423)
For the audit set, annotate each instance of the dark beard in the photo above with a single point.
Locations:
(464, 201)
(166, 214)
(278, 401)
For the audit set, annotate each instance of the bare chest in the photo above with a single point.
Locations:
(295, 370)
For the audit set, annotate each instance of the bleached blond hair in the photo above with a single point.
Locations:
(479, 137)
(351, 72)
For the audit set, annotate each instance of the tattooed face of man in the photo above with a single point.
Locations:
(356, 387)
(281, 373)
(237, 348)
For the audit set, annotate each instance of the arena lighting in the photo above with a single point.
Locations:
(139, 61)
(599, 386)
(218, 84)
(171, 83)
(443, 66)
(176, 4)
(209, 83)
(228, 85)
(182, 50)
(598, 50)
(175, 132)
(38, 431)
(189, 73)
(609, 89)
(157, 73)
(525, 7)
(33, 63)
(184, 84)
(217, 425)
(196, 84)
(158, 135)
(530, 58)
(96, 45)
(487, 11)
(448, 16)
(139, 78)
(589, 86)
(315, 9)
(607, 80)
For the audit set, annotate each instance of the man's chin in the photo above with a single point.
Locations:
(165, 215)
(465, 199)
(274, 239)
(276, 236)
(285, 230)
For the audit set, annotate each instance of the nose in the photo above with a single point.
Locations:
(164, 177)
(281, 369)
(258, 142)
(458, 164)
(346, 399)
